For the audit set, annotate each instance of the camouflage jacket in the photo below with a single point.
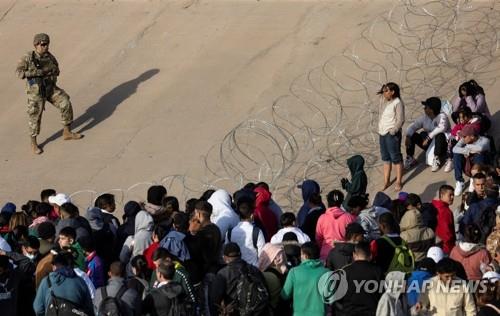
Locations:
(33, 66)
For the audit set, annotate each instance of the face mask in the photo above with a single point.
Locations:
(31, 256)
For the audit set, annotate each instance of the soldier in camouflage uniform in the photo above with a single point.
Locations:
(40, 69)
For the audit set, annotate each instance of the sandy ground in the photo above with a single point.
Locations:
(199, 94)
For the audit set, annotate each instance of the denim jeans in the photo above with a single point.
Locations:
(459, 163)
(390, 148)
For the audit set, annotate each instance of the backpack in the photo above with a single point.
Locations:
(59, 306)
(252, 297)
(403, 259)
(178, 304)
(111, 305)
(255, 236)
(487, 220)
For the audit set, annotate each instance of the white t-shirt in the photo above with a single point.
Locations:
(278, 237)
(241, 234)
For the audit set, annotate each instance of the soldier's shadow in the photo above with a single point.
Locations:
(105, 106)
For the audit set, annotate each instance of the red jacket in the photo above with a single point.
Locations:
(445, 229)
(263, 214)
(148, 253)
(471, 256)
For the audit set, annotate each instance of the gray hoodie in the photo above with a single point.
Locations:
(135, 245)
(368, 219)
(393, 302)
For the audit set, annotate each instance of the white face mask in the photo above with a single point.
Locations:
(31, 256)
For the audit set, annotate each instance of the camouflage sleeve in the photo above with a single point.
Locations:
(53, 67)
(25, 69)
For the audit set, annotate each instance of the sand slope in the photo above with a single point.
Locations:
(157, 85)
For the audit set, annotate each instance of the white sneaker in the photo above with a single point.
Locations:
(435, 164)
(409, 162)
(459, 187)
(448, 166)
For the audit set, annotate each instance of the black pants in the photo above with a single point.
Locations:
(440, 145)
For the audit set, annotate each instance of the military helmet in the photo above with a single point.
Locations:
(41, 37)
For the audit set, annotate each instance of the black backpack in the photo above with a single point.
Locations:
(59, 306)
(111, 305)
(255, 235)
(252, 297)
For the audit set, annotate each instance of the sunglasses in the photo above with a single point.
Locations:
(44, 44)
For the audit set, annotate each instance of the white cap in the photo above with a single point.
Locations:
(435, 253)
(59, 199)
(491, 276)
(4, 246)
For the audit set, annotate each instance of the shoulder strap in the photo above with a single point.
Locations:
(49, 284)
(104, 293)
(229, 234)
(255, 236)
(389, 240)
(121, 291)
(493, 307)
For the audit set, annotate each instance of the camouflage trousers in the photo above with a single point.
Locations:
(36, 105)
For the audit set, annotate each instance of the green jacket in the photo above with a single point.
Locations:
(302, 285)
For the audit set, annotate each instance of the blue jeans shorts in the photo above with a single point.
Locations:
(390, 148)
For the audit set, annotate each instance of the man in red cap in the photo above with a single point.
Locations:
(470, 146)
(40, 69)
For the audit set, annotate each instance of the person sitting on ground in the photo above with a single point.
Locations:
(129, 302)
(332, 225)
(223, 214)
(473, 147)
(246, 235)
(359, 181)
(65, 284)
(471, 253)
(445, 229)
(288, 222)
(471, 95)
(359, 300)
(446, 294)
(167, 294)
(435, 125)
(413, 231)
(341, 255)
(302, 283)
(316, 209)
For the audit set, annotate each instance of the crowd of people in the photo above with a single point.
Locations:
(241, 254)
